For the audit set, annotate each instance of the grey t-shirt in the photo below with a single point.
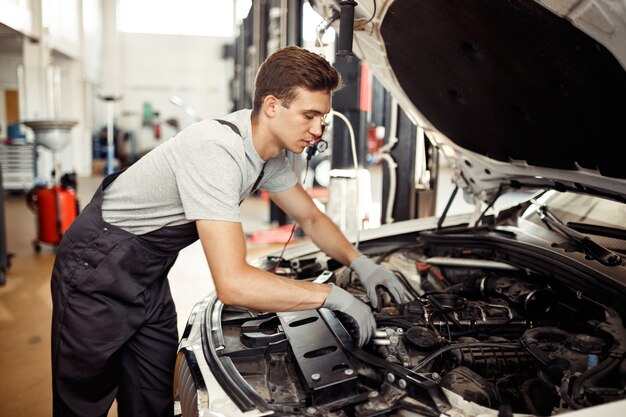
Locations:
(204, 172)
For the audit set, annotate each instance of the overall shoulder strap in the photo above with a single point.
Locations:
(236, 130)
(229, 124)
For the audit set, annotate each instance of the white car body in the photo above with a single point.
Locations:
(516, 95)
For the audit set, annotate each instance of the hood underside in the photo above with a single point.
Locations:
(512, 81)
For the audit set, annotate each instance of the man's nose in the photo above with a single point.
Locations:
(317, 127)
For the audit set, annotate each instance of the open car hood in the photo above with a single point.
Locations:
(518, 93)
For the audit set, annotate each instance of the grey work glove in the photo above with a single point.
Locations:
(341, 300)
(372, 275)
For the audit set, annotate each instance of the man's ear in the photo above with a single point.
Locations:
(270, 105)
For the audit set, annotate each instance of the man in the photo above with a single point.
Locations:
(114, 332)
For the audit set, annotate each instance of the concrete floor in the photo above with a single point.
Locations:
(25, 306)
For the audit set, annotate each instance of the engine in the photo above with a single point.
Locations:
(506, 338)
(498, 336)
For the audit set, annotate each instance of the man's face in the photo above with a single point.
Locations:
(301, 123)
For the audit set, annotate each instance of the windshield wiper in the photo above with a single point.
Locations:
(596, 229)
(591, 248)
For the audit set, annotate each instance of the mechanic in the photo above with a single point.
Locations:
(114, 330)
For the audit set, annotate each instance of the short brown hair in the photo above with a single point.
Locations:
(289, 68)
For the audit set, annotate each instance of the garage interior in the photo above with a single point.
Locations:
(79, 70)
(25, 304)
(112, 80)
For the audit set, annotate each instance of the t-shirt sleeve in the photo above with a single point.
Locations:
(279, 176)
(209, 183)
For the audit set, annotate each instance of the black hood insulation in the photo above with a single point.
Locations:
(510, 80)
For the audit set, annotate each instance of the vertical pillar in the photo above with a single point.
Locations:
(111, 70)
(348, 102)
(35, 60)
(349, 200)
(293, 22)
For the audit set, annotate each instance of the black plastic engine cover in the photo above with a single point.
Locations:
(324, 368)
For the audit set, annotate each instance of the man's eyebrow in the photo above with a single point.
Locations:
(314, 112)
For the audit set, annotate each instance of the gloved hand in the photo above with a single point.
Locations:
(372, 275)
(341, 300)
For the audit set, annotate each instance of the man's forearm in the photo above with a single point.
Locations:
(238, 283)
(269, 292)
(262, 291)
(327, 236)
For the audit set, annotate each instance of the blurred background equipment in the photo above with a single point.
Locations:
(110, 102)
(56, 205)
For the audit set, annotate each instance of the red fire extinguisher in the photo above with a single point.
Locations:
(56, 208)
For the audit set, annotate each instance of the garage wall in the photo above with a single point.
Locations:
(8, 81)
(155, 67)
(94, 59)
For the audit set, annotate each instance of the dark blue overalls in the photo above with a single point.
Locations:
(114, 326)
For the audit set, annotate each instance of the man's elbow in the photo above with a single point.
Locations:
(228, 297)
(312, 221)
(231, 294)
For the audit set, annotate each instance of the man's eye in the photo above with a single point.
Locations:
(309, 116)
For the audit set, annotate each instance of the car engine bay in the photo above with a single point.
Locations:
(498, 336)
